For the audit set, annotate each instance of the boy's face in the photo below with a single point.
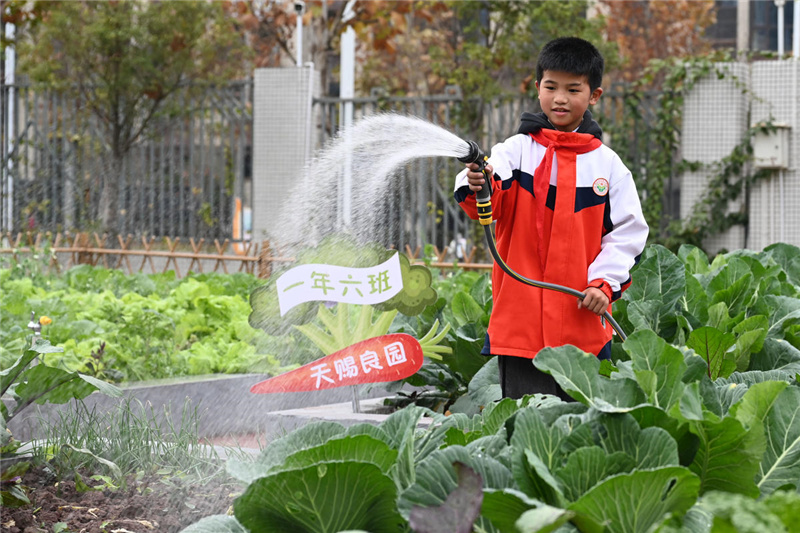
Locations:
(565, 97)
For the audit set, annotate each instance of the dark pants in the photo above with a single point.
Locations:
(519, 377)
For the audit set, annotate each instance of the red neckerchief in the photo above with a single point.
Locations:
(565, 146)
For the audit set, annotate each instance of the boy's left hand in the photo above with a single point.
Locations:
(596, 301)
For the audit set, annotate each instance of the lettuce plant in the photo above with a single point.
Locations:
(149, 326)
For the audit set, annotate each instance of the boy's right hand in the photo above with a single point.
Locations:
(475, 178)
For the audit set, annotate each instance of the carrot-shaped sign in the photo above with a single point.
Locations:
(379, 359)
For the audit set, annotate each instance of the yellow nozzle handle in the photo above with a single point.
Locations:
(484, 200)
(485, 213)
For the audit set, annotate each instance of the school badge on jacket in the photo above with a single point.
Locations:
(600, 186)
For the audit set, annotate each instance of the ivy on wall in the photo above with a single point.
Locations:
(730, 177)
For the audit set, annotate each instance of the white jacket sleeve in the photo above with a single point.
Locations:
(622, 246)
(505, 157)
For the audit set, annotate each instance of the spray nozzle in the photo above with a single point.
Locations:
(484, 196)
(475, 155)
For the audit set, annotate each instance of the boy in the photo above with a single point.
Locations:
(566, 212)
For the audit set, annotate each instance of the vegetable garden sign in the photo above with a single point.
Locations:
(373, 360)
(385, 358)
(329, 283)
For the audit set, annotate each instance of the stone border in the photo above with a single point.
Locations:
(225, 406)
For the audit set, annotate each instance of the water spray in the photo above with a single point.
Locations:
(484, 204)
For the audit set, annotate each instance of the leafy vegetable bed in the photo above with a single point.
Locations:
(129, 328)
(695, 427)
(657, 445)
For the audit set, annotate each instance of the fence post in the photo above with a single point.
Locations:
(264, 260)
(82, 241)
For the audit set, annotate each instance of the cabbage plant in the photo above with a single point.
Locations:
(649, 447)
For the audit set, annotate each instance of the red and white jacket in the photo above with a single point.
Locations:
(589, 232)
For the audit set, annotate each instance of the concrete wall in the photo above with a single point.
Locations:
(224, 403)
(775, 203)
(282, 138)
(715, 120)
(717, 114)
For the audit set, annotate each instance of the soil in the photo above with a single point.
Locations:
(153, 503)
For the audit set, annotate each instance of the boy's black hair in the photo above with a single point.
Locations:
(573, 55)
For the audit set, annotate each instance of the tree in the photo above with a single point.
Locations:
(268, 27)
(487, 48)
(421, 46)
(657, 29)
(123, 60)
(395, 42)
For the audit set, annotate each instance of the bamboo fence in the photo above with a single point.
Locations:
(136, 254)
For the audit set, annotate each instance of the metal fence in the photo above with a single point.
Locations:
(424, 208)
(187, 175)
